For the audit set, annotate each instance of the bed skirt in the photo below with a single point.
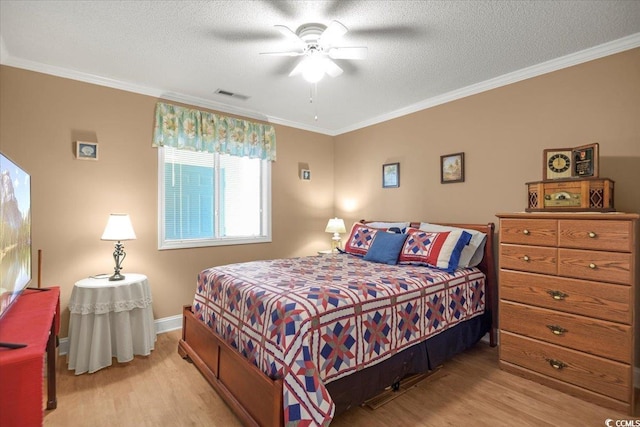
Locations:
(355, 389)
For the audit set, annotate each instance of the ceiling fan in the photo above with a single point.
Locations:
(316, 42)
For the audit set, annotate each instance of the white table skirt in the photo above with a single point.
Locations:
(109, 319)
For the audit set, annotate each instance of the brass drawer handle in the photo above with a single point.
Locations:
(557, 295)
(525, 232)
(592, 234)
(557, 330)
(593, 266)
(526, 258)
(556, 364)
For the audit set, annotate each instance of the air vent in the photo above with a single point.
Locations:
(231, 94)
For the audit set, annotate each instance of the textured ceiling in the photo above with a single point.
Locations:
(421, 53)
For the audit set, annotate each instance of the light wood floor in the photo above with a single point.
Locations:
(165, 390)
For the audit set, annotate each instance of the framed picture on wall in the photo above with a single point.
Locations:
(86, 150)
(305, 174)
(452, 168)
(391, 175)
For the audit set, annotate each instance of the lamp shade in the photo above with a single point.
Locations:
(335, 225)
(118, 228)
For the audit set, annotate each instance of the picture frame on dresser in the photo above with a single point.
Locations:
(585, 159)
(571, 163)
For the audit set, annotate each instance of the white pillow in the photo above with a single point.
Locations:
(401, 225)
(472, 253)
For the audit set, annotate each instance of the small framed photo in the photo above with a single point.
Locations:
(452, 168)
(391, 175)
(585, 161)
(86, 150)
(305, 174)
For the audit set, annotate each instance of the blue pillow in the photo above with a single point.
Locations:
(385, 248)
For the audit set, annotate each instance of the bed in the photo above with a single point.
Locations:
(297, 341)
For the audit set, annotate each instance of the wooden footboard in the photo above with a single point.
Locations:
(253, 396)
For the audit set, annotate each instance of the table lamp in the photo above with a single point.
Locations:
(335, 226)
(118, 228)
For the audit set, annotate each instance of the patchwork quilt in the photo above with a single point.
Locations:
(312, 320)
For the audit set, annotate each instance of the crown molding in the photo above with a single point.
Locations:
(6, 59)
(596, 52)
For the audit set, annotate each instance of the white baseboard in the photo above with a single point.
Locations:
(163, 325)
(167, 324)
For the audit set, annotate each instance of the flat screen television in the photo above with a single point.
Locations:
(15, 232)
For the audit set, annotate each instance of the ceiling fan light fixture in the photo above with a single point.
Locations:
(314, 68)
(313, 75)
(316, 41)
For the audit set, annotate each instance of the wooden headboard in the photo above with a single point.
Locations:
(487, 266)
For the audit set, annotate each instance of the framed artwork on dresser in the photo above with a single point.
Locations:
(585, 160)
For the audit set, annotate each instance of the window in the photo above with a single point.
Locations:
(210, 199)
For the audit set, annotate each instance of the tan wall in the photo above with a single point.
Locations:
(40, 118)
(502, 133)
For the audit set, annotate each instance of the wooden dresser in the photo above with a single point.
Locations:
(568, 286)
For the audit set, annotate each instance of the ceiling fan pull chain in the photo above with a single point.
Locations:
(313, 92)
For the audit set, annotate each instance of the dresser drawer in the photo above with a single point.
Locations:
(591, 372)
(595, 299)
(600, 235)
(594, 336)
(529, 232)
(536, 259)
(614, 267)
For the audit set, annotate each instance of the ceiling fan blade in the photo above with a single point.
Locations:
(298, 69)
(348, 52)
(334, 31)
(282, 53)
(288, 33)
(332, 68)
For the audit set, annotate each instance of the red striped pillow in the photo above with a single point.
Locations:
(435, 249)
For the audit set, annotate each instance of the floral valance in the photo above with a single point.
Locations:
(196, 130)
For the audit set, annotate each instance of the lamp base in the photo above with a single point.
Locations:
(118, 256)
(116, 276)
(336, 242)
